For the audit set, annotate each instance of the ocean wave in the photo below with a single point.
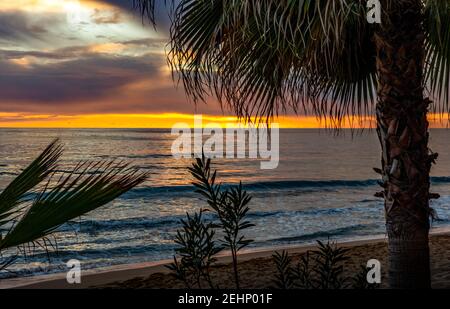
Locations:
(358, 230)
(169, 222)
(312, 185)
(255, 187)
(133, 157)
(90, 226)
(288, 184)
(327, 183)
(119, 250)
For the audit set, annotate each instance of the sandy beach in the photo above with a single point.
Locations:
(256, 268)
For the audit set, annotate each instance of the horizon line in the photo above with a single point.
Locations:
(180, 120)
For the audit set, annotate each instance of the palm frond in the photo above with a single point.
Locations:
(87, 187)
(264, 57)
(437, 23)
(146, 8)
(17, 192)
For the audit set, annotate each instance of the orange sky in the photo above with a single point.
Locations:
(166, 120)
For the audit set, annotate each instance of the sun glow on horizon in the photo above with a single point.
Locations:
(163, 120)
(169, 120)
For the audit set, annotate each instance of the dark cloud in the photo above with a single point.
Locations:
(77, 51)
(15, 54)
(19, 27)
(88, 78)
(91, 83)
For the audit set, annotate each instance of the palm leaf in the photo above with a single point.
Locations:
(263, 57)
(260, 58)
(88, 187)
(17, 192)
(146, 8)
(437, 22)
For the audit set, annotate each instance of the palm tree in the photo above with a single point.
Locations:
(263, 57)
(40, 199)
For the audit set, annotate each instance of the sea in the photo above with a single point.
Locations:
(323, 189)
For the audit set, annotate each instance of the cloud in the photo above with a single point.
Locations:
(77, 80)
(87, 78)
(18, 27)
(108, 17)
(67, 24)
(16, 54)
(108, 62)
(148, 42)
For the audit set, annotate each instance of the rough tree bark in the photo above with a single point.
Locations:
(402, 127)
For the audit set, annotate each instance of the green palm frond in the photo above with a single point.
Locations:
(87, 187)
(17, 192)
(437, 21)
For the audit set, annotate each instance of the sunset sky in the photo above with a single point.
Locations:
(90, 63)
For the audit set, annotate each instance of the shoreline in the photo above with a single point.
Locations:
(122, 273)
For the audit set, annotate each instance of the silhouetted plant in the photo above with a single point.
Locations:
(180, 271)
(318, 269)
(284, 278)
(303, 272)
(197, 249)
(230, 205)
(329, 265)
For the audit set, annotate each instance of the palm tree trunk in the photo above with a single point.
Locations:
(402, 127)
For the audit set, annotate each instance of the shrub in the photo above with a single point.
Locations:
(197, 249)
(230, 205)
(322, 268)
